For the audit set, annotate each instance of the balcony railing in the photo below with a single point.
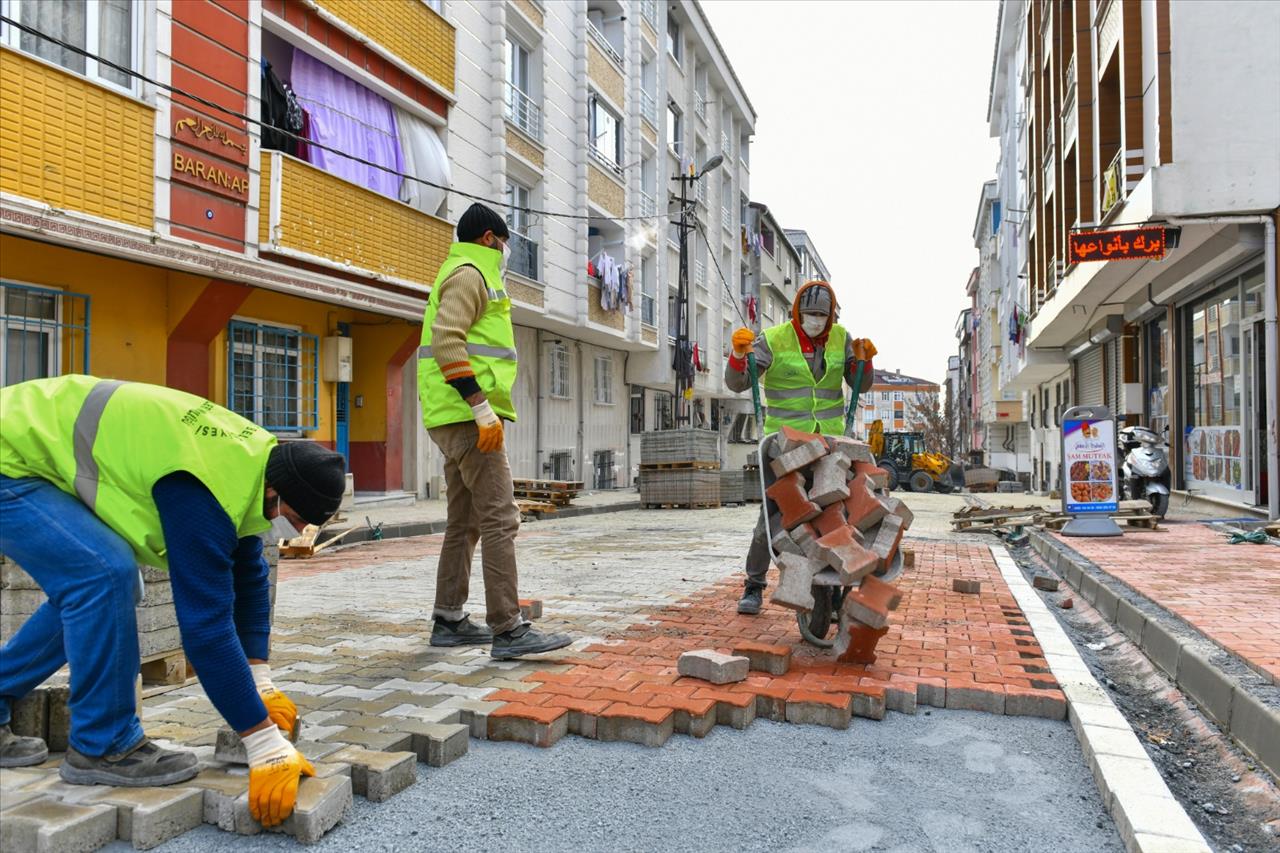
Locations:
(524, 256)
(1050, 171)
(604, 159)
(1069, 117)
(523, 112)
(603, 43)
(700, 274)
(648, 107)
(1113, 183)
(726, 218)
(649, 11)
(725, 147)
(700, 191)
(648, 206)
(700, 105)
(1071, 73)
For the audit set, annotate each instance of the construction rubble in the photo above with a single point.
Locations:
(836, 515)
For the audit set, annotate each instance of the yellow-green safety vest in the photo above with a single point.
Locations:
(491, 344)
(792, 397)
(109, 442)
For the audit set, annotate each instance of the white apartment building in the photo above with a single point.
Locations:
(589, 107)
(1119, 113)
(812, 267)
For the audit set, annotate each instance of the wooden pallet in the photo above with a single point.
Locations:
(164, 672)
(535, 507)
(680, 466)
(306, 545)
(558, 499)
(548, 485)
(694, 505)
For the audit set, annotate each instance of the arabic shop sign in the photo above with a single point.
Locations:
(1133, 244)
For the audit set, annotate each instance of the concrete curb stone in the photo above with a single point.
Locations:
(1258, 725)
(1131, 621)
(1208, 685)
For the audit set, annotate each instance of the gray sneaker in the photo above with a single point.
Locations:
(524, 640)
(464, 632)
(143, 766)
(16, 751)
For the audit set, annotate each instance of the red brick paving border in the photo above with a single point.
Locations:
(1229, 593)
(942, 648)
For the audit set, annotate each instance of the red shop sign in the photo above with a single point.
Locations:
(1130, 245)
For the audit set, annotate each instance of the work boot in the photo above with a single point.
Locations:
(524, 640)
(16, 751)
(463, 632)
(143, 766)
(752, 600)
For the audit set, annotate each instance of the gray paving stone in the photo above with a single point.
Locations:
(973, 699)
(29, 716)
(45, 825)
(438, 744)
(710, 665)
(378, 776)
(148, 817)
(321, 804)
(819, 713)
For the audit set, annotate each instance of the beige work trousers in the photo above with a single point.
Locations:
(481, 507)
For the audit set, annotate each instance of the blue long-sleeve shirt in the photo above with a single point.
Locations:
(221, 592)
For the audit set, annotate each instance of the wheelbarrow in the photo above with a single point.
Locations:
(828, 592)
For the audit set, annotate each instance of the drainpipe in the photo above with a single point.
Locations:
(537, 424)
(1269, 293)
(582, 379)
(626, 389)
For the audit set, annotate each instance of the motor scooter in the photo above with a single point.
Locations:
(1144, 468)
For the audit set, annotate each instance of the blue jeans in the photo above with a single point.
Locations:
(91, 577)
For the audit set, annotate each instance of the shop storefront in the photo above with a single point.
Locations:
(1220, 357)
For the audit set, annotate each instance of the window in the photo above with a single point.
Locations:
(606, 133)
(272, 377)
(675, 43)
(637, 409)
(559, 371)
(524, 250)
(675, 127)
(884, 396)
(522, 110)
(604, 380)
(604, 470)
(103, 28)
(663, 414)
(897, 396)
(39, 328)
(648, 293)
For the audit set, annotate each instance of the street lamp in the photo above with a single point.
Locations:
(682, 358)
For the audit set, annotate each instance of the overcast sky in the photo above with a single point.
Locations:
(872, 136)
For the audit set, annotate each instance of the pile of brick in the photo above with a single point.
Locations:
(835, 512)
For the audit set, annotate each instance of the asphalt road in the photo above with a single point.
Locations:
(952, 781)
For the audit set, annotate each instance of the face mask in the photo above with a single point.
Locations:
(281, 527)
(813, 325)
(505, 249)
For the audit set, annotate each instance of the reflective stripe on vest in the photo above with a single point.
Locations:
(491, 345)
(792, 396)
(85, 434)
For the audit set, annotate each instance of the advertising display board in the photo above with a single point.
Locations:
(1089, 490)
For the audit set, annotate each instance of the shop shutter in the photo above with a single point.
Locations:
(1090, 390)
(1111, 364)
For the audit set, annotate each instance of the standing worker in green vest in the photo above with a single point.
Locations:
(466, 370)
(97, 476)
(803, 365)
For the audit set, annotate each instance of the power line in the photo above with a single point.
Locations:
(553, 214)
(711, 254)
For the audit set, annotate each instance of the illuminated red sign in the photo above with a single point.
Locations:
(1134, 244)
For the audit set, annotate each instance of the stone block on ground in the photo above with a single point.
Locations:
(871, 602)
(710, 665)
(390, 741)
(29, 716)
(531, 609)
(1045, 582)
(762, 657)
(863, 508)
(822, 709)
(736, 710)
(528, 724)
(226, 804)
(59, 718)
(801, 457)
(378, 776)
(635, 724)
(159, 642)
(856, 643)
(321, 804)
(147, 817)
(795, 582)
(472, 712)
(908, 558)
(971, 696)
(792, 500)
(46, 825)
(438, 744)
(841, 551)
(830, 480)
(869, 702)
(693, 717)
(966, 585)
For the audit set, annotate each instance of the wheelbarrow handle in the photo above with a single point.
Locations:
(851, 414)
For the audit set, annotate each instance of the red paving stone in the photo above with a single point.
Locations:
(1229, 593)
(980, 644)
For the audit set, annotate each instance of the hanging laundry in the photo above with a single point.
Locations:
(697, 358)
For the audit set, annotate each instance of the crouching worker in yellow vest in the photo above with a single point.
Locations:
(803, 367)
(466, 369)
(97, 476)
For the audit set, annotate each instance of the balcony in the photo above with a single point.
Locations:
(1050, 172)
(700, 274)
(1069, 118)
(725, 147)
(413, 32)
(700, 191)
(648, 206)
(649, 13)
(648, 107)
(700, 105)
(602, 42)
(523, 112)
(726, 218)
(311, 215)
(1109, 13)
(524, 256)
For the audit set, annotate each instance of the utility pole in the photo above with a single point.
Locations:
(682, 355)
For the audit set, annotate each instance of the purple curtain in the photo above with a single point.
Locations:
(350, 118)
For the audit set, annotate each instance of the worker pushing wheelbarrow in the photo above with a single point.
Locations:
(803, 365)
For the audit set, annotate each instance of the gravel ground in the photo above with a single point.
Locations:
(939, 781)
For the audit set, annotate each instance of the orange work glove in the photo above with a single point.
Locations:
(490, 426)
(743, 339)
(275, 769)
(863, 349)
(280, 708)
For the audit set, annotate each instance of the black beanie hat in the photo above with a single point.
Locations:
(478, 219)
(308, 477)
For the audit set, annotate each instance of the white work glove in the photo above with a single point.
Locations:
(275, 768)
(280, 708)
(490, 437)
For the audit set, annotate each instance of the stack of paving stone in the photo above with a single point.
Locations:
(680, 468)
(835, 513)
(751, 489)
(732, 487)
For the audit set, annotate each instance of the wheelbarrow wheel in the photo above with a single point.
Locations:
(816, 623)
